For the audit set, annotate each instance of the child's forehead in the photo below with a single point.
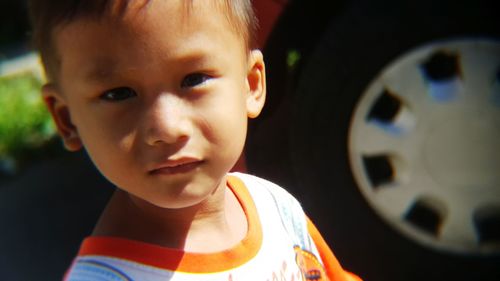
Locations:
(50, 21)
(151, 34)
(125, 9)
(139, 16)
(138, 19)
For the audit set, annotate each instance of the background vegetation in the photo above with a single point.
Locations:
(25, 124)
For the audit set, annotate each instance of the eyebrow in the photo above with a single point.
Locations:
(104, 69)
(100, 70)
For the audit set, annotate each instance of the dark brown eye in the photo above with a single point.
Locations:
(194, 79)
(118, 94)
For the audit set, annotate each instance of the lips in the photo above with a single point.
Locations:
(178, 166)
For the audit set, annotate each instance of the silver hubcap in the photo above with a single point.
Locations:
(424, 145)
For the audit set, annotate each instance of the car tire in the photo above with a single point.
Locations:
(308, 151)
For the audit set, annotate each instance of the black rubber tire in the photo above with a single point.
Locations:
(313, 163)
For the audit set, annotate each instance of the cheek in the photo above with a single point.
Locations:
(105, 118)
(224, 115)
(111, 150)
(105, 131)
(225, 128)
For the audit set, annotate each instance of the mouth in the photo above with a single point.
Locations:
(179, 166)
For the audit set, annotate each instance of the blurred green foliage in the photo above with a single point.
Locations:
(293, 57)
(25, 123)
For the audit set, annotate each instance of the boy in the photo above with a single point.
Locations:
(158, 92)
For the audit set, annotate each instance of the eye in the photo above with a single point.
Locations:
(118, 94)
(194, 79)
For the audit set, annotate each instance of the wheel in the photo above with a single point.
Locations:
(422, 145)
(392, 139)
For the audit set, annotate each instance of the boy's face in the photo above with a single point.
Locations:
(159, 96)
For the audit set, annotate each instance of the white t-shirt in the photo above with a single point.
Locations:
(279, 245)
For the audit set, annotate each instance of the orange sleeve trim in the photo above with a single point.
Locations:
(330, 262)
(178, 260)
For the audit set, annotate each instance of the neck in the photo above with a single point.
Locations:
(219, 219)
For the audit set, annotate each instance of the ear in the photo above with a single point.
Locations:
(60, 113)
(256, 80)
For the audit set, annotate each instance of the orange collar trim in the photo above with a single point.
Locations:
(178, 260)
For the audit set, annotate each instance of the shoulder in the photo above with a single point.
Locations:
(257, 185)
(290, 211)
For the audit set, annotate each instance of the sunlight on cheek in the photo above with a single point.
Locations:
(127, 141)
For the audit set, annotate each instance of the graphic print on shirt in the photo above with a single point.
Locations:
(311, 268)
(97, 270)
(288, 273)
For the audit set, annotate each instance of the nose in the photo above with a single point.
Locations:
(167, 121)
